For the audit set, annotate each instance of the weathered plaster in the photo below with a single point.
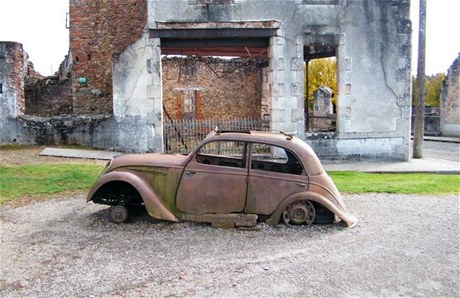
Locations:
(450, 101)
(137, 88)
(372, 40)
(372, 43)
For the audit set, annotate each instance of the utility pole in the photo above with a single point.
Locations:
(419, 122)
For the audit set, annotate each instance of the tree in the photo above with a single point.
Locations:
(433, 87)
(321, 72)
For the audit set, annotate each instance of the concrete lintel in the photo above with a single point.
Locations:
(78, 153)
(267, 24)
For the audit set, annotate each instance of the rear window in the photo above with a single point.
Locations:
(265, 157)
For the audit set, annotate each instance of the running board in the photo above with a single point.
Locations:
(231, 220)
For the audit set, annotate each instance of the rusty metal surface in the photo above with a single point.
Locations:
(204, 51)
(240, 39)
(211, 189)
(209, 33)
(231, 190)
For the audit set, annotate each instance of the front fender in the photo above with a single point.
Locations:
(339, 211)
(152, 202)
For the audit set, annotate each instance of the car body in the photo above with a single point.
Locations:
(230, 179)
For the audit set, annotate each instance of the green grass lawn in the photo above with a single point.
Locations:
(42, 180)
(357, 182)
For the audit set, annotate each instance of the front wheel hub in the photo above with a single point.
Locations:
(119, 213)
(299, 213)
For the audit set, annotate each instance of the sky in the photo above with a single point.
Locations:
(40, 25)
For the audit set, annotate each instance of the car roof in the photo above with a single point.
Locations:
(300, 148)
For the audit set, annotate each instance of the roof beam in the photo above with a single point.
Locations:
(212, 33)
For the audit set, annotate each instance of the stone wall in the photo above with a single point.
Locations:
(450, 101)
(216, 88)
(100, 29)
(129, 134)
(117, 69)
(14, 66)
(371, 41)
(48, 96)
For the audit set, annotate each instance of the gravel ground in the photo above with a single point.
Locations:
(402, 246)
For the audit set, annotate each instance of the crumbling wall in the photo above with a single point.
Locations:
(100, 29)
(130, 134)
(218, 88)
(47, 96)
(14, 66)
(450, 101)
(371, 41)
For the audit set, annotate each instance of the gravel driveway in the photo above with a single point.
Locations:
(402, 246)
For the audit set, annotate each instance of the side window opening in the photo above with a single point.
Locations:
(223, 153)
(271, 158)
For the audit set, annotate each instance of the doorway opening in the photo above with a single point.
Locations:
(320, 93)
(212, 75)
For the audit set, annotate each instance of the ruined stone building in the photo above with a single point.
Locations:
(450, 101)
(138, 63)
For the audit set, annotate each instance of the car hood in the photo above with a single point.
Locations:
(148, 159)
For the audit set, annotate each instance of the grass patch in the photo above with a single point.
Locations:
(13, 146)
(39, 180)
(419, 183)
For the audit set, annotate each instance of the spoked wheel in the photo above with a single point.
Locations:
(119, 213)
(299, 213)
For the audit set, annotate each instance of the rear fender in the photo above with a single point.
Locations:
(152, 202)
(339, 212)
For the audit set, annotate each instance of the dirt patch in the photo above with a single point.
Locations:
(402, 246)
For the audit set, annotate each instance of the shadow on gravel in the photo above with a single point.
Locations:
(141, 219)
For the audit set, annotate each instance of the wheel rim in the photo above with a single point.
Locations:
(119, 214)
(299, 213)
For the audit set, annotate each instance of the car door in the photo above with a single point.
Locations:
(275, 173)
(215, 179)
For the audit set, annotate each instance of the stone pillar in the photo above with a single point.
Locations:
(13, 68)
(265, 105)
(286, 81)
(137, 94)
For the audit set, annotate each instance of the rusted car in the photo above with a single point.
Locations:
(231, 179)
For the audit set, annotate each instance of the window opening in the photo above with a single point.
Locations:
(271, 158)
(223, 153)
(320, 93)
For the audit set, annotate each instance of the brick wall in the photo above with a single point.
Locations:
(14, 66)
(220, 89)
(100, 29)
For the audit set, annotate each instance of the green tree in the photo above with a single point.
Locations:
(433, 88)
(321, 72)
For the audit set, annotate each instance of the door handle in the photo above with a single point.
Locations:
(301, 184)
(190, 173)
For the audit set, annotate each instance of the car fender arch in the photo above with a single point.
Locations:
(152, 202)
(338, 211)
